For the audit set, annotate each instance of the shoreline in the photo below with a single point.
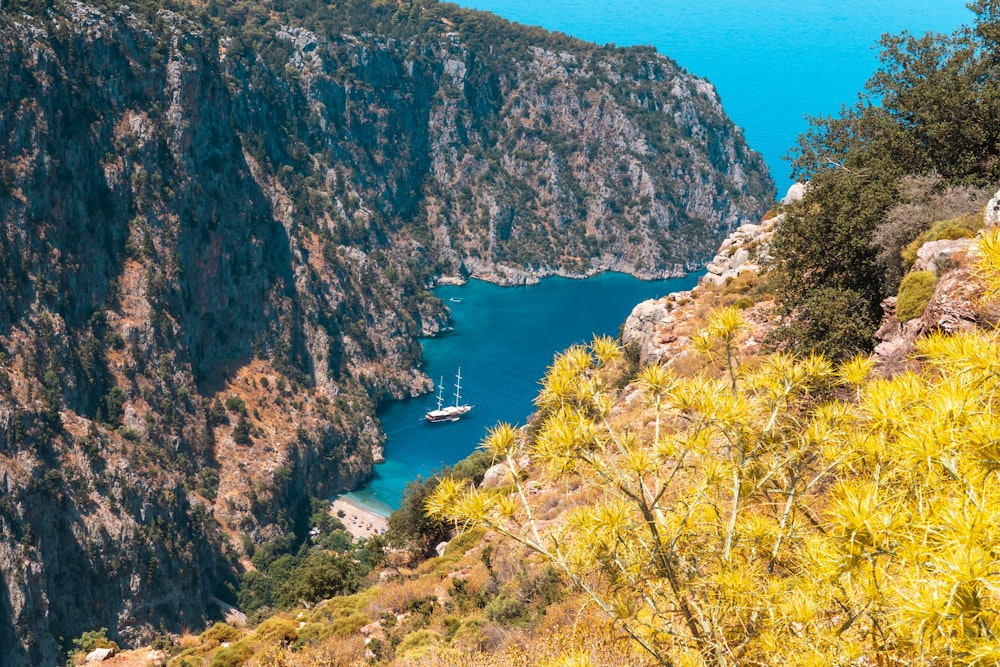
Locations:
(360, 521)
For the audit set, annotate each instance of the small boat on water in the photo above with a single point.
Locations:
(450, 413)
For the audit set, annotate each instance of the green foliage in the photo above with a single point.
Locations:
(232, 656)
(112, 406)
(221, 632)
(824, 247)
(915, 293)
(217, 413)
(241, 432)
(837, 323)
(409, 525)
(932, 107)
(923, 201)
(92, 639)
(289, 573)
(320, 575)
(506, 610)
(787, 513)
(236, 404)
(417, 644)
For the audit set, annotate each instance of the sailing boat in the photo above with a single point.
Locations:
(450, 413)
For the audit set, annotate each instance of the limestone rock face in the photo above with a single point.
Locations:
(956, 305)
(991, 216)
(746, 249)
(940, 256)
(795, 193)
(658, 328)
(216, 249)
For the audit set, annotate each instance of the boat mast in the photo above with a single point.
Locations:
(458, 385)
(440, 396)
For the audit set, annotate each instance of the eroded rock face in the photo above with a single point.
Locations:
(795, 193)
(746, 249)
(941, 256)
(214, 264)
(955, 306)
(991, 216)
(660, 329)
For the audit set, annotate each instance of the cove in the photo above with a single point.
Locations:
(504, 339)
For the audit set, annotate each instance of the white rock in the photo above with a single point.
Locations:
(937, 255)
(494, 476)
(991, 216)
(100, 654)
(795, 193)
(642, 321)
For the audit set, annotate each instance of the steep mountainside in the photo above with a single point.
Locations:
(503, 593)
(217, 230)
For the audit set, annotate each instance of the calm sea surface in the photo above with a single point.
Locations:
(773, 62)
(504, 340)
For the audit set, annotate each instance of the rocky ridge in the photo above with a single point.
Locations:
(660, 329)
(216, 238)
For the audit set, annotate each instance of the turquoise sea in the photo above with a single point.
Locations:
(504, 340)
(773, 62)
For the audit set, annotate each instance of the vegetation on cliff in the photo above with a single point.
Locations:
(218, 227)
(753, 508)
(921, 139)
(741, 505)
(778, 511)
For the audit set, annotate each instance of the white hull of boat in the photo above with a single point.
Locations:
(452, 413)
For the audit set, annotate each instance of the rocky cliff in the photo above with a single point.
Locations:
(218, 225)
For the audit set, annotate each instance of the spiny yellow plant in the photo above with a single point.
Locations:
(792, 513)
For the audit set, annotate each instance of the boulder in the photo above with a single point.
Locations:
(940, 256)
(795, 193)
(494, 476)
(643, 321)
(991, 216)
(100, 654)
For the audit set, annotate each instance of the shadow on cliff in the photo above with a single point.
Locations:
(10, 647)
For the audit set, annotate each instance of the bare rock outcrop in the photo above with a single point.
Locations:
(657, 327)
(746, 249)
(216, 244)
(943, 255)
(955, 306)
(991, 216)
(795, 193)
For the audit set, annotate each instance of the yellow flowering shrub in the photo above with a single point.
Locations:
(788, 513)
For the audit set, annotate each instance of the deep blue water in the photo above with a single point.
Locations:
(504, 340)
(772, 61)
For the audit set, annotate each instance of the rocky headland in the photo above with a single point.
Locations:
(219, 225)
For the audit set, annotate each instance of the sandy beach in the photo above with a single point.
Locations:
(360, 521)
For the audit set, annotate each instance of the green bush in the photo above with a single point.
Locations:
(92, 639)
(277, 630)
(914, 294)
(221, 632)
(506, 610)
(233, 656)
(418, 644)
